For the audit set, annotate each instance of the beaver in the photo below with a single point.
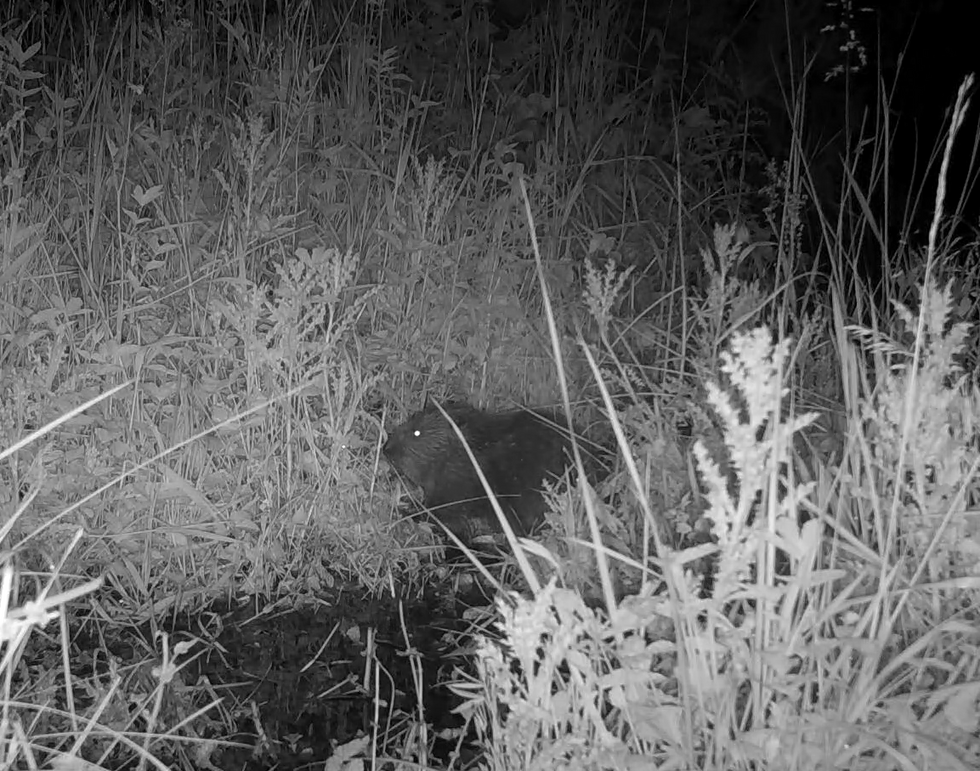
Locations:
(517, 451)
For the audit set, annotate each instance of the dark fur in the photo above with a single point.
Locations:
(516, 450)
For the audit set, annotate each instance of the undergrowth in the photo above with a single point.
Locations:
(235, 246)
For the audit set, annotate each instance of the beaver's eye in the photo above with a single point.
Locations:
(417, 433)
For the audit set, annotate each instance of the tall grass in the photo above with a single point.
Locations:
(840, 618)
(234, 244)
